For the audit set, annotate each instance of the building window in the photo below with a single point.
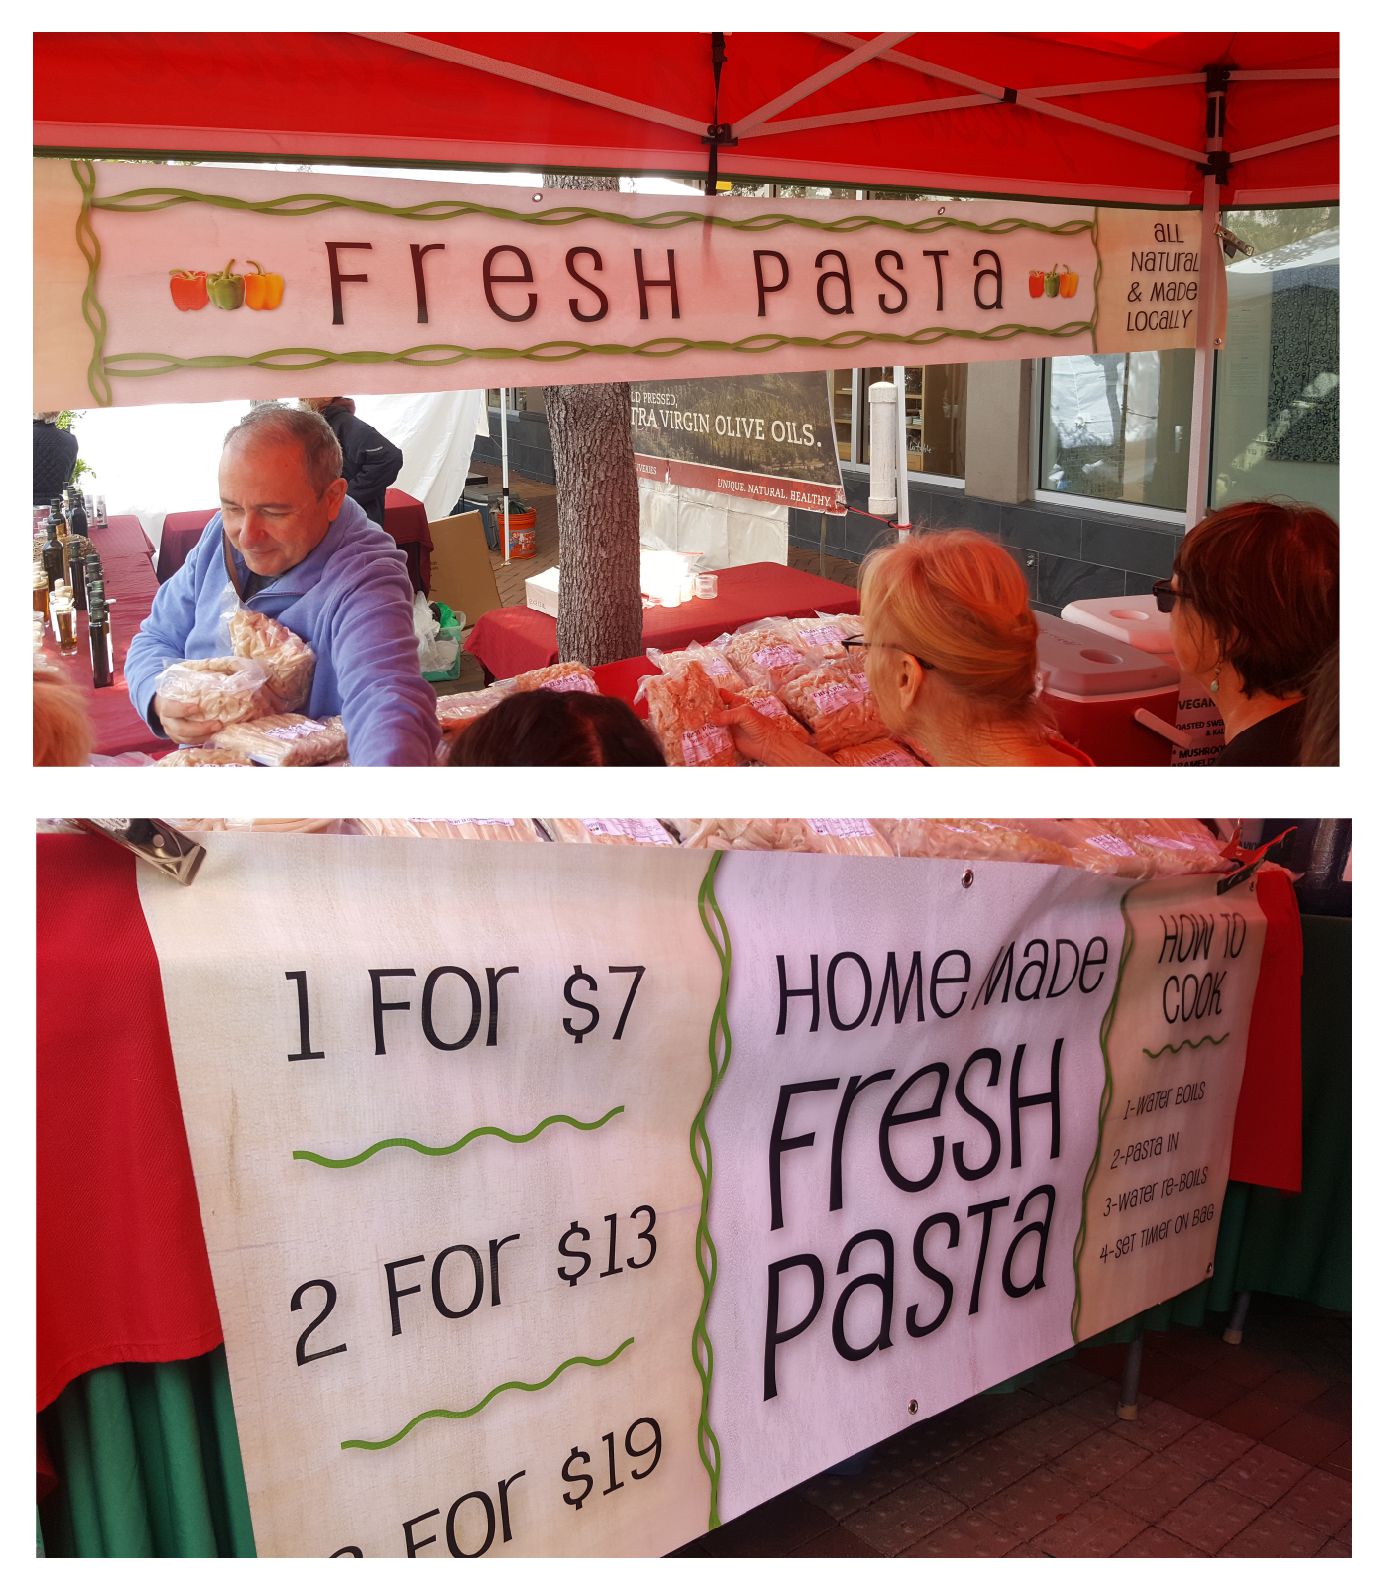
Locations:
(1118, 426)
(934, 396)
(1277, 389)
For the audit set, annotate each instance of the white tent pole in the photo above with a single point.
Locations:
(904, 515)
(1207, 341)
(504, 462)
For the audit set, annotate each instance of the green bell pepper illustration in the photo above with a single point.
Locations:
(225, 289)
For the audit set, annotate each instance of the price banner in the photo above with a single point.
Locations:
(572, 1201)
(157, 284)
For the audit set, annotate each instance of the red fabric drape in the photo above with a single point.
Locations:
(122, 1265)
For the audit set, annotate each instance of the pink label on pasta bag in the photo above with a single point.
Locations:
(779, 657)
(714, 664)
(769, 707)
(831, 699)
(571, 683)
(700, 746)
(827, 636)
(853, 829)
(648, 830)
(890, 760)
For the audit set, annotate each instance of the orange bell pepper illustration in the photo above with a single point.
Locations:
(263, 289)
(1069, 282)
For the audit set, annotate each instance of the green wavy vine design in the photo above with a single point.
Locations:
(1106, 1095)
(429, 355)
(461, 1415)
(718, 1049)
(1186, 1045)
(450, 1150)
(92, 313)
(1099, 272)
(141, 200)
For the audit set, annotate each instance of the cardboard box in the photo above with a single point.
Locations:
(540, 592)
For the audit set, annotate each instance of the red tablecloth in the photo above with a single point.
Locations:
(508, 641)
(122, 1265)
(125, 556)
(405, 520)
(122, 1269)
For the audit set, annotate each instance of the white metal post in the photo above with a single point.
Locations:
(1208, 307)
(504, 462)
(883, 496)
(904, 515)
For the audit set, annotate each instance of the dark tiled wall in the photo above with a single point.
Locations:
(1066, 553)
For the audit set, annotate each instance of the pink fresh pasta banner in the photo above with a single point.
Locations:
(158, 284)
(575, 1200)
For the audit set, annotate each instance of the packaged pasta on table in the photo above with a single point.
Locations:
(711, 659)
(284, 739)
(835, 703)
(556, 677)
(452, 829)
(882, 754)
(839, 837)
(226, 690)
(763, 701)
(193, 757)
(767, 653)
(1137, 848)
(980, 840)
(616, 832)
(825, 634)
(681, 709)
(287, 659)
(276, 826)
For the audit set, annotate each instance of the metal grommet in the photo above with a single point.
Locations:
(967, 879)
(537, 199)
(941, 210)
(912, 1407)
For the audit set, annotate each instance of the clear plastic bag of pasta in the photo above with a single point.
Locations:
(286, 658)
(223, 690)
(451, 829)
(837, 837)
(978, 840)
(681, 713)
(835, 703)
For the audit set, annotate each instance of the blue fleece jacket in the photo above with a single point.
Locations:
(350, 600)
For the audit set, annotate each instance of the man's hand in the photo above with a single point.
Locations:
(185, 732)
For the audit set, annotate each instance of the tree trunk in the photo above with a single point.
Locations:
(599, 611)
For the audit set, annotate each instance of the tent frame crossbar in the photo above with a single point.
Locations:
(414, 45)
(865, 50)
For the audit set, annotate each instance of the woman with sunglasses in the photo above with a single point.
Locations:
(1255, 605)
(950, 648)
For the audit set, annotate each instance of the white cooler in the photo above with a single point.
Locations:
(1096, 687)
(1137, 621)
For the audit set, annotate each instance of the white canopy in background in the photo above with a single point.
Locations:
(160, 459)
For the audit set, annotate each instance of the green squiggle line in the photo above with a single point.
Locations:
(1186, 1045)
(138, 201)
(703, 1354)
(1106, 1095)
(92, 313)
(557, 351)
(460, 1415)
(449, 1150)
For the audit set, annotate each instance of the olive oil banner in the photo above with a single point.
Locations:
(574, 1200)
(156, 284)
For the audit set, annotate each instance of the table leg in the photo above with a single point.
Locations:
(1234, 1332)
(1128, 1388)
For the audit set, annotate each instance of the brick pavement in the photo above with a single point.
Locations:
(1238, 1451)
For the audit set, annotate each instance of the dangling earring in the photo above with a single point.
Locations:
(1215, 683)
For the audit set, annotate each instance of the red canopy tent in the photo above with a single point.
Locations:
(1209, 120)
(1108, 116)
